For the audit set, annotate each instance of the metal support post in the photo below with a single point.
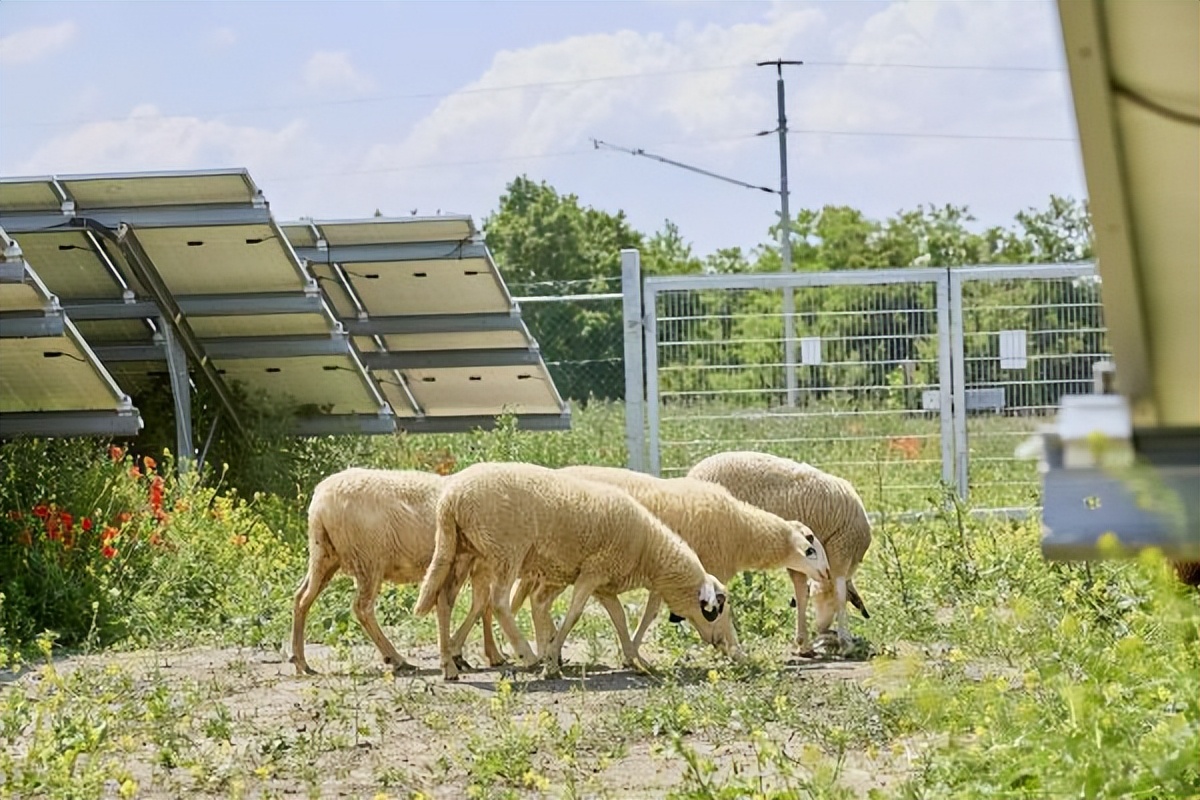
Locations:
(635, 375)
(181, 392)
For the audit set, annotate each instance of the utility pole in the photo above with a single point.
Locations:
(785, 239)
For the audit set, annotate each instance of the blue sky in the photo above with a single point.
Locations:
(338, 109)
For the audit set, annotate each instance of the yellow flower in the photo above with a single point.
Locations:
(128, 788)
(713, 676)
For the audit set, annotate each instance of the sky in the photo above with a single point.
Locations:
(341, 109)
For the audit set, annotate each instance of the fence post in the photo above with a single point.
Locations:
(959, 383)
(945, 378)
(635, 373)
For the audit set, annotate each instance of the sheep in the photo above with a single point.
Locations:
(373, 525)
(728, 535)
(516, 520)
(826, 503)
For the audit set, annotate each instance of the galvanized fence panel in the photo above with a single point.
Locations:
(908, 379)
(1024, 335)
(873, 396)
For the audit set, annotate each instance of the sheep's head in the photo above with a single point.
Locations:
(808, 554)
(709, 613)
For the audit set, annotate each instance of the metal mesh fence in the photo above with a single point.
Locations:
(1027, 339)
(577, 325)
(903, 379)
(867, 367)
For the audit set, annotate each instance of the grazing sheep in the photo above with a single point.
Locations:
(374, 525)
(826, 503)
(514, 521)
(728, 535)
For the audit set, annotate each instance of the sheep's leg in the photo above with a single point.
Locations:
(653, 604)
(629, 653)
(539, 608)
(364, 609)
(444, 605)
(553, 658)
(320, 571)
(500, 605)
(843, 621)
(491, 651)
(801, 644)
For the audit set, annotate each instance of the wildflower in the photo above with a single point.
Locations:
(116, 453)
(109, 534)
(53, 528)
(108, 551)
(41, 511)
(124, 517)
(25, 538)
(156, 540)
(713, 676)
(14, 515)
(86, 524)
(68, 521)
(135, 473)
(150, 463)
(156, 492)
(237, 539)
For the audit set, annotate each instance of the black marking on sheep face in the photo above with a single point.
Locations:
(675, 618)
(712, 612)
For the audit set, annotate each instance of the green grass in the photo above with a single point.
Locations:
(997, 674)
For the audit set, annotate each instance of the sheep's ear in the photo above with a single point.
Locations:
(675, 618)
(792, 602)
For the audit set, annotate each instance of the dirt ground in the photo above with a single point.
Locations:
(239, 722)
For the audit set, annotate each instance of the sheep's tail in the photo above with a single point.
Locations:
(445, 544)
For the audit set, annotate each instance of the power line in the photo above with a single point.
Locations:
(916, 135)
(434, 95)
(640, 152)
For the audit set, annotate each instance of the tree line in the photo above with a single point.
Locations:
(875, 339)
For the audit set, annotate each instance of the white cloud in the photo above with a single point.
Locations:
(331, 72)
(221, 38)
(146, 140)
(33, 44)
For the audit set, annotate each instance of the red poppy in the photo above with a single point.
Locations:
(150, 463)
(124, 517)
(155, 539)
(14, 515)
(156, 492)
(116, 453)
(53, 528)
(135, 473)
(108, 551)
(109, 534)
(41, 511)
(86, 524)
(68, 521)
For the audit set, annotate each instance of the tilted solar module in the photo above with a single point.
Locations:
(191, 266)
(51, 384)
(434, 322)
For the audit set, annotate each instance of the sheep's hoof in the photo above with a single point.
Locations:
(449, 673)
(497, 660)
(462, 663)
(402, 666)
(305, 669)
(550, 673)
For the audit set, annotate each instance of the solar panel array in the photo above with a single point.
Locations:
(361, 326)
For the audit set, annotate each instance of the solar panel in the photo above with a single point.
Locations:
(433, 320)
(51, 384)
(353, 324)
(200, 249)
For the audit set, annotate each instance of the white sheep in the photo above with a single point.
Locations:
(826, 503)
(373, 525)
(515, 520)
(728, 534)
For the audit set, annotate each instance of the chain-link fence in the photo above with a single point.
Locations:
(577, 325)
